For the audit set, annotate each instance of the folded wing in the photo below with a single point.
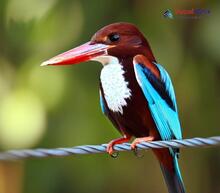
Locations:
(159, 93)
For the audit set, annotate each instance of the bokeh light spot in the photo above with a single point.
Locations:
(26, 10)
(22, 120)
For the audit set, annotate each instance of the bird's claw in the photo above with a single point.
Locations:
(110, 150)
(134, 144)
(110, 146)
(138, 141)
(114, 154)
(136, 152)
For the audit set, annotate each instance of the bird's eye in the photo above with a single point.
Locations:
(114, 37)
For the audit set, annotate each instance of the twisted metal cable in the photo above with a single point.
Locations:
(91, 149)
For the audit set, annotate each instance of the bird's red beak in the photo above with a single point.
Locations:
(79, 54)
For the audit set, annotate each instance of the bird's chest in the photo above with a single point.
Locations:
(115, 87)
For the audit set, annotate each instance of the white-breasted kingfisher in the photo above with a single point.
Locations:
(136, 93)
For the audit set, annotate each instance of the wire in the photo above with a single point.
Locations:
(92, 149)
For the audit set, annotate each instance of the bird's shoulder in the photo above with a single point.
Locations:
(159, 79)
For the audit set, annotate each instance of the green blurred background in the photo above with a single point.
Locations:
(59, 106)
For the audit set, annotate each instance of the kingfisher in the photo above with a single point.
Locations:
(136, 92)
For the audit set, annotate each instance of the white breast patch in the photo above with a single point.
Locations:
(114, 86)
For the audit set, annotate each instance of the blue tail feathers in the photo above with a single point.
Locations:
(173, 178)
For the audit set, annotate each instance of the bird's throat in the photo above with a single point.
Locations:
(115, 88)
(106, 59)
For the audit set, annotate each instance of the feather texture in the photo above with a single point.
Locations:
(160, 96)
(161, 99)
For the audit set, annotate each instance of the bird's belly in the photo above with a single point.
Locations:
(136, 118)
(125, 101)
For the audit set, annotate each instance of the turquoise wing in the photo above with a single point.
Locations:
(161, 100)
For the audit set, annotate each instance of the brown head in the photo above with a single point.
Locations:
(121, 40)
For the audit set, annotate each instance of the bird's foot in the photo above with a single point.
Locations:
(110, 146)
(140, 140)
